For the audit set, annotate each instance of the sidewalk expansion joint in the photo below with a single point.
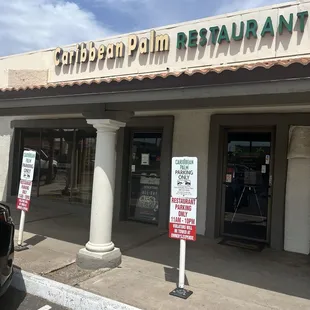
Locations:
(48, 218)
(57, 269)
(143, 242)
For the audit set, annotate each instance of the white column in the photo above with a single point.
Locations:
(99, 251)
(297, 204)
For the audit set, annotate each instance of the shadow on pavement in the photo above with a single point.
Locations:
(13, 298)
(35, 240)
(276, 271)
(172, 275)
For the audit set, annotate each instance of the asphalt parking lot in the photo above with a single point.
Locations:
(17, 300)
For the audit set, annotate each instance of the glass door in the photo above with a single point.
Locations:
(247, 184)
(144, 176)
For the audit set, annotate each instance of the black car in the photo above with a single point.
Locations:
(6, 248)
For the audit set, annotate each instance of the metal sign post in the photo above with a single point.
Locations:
(24, 193)
(21, 229)
(183, 212)
(182, 263)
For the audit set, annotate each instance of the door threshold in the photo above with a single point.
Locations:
(245, 244)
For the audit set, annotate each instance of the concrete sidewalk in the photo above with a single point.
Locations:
(221, 277)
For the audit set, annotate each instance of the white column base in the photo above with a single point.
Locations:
(95, 260)
(99, 248)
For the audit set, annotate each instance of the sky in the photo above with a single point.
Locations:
(27, 25)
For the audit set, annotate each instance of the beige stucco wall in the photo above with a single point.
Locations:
(297, 202)
(191, 138)
(297, 207)
(235, 52)
(21, 78)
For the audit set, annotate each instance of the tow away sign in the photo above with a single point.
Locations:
(24, 193)
(183, 202)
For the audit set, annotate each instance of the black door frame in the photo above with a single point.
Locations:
(282, 123)
(132, 131)
(165, 125)
(265, 129)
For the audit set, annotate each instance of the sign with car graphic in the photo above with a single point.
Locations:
(184, 177)
(28, 164)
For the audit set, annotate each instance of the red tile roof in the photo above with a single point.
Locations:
(248, 66)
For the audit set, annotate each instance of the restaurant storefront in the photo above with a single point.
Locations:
(65, 164)
(106, 117)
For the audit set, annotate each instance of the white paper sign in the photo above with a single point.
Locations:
(228, 178)
(28, 165)
(184, 177)
(145, 159)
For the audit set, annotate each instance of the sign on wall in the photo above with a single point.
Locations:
(225, 30)
(262, 34)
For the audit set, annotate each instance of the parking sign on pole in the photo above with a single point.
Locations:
(24, 192)
(183, 211)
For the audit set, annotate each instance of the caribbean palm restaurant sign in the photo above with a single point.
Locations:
(91, 53)
(154, 42)
(249, 29)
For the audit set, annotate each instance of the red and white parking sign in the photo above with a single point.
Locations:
(24, 194)
(183, 203)
(182, 224)
(26, 177)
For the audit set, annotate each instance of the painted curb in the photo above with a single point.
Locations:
(62, 294)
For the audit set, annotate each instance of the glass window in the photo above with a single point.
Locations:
(56, 153)
(64, 162)
(84, 160)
